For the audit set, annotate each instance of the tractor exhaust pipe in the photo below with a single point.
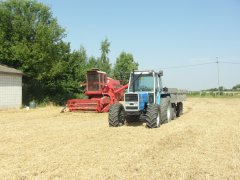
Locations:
(133, 82)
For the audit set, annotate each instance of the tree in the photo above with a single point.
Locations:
(236, 87)
(78, 64)
(31, 41)
(92, 63)
(103, 61)
(221, 88)
(124, 65)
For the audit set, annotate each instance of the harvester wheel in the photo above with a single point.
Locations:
(116, 115)
(153, 114)
(179, 109)
(166, 110)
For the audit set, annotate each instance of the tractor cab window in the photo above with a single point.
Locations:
(141, 82)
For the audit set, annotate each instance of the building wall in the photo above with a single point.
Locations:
(10, 90)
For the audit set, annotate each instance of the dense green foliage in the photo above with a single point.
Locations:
(31, 40)
(124, 65)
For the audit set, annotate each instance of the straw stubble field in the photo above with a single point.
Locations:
(204, 143)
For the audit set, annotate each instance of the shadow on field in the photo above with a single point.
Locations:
(135, 124)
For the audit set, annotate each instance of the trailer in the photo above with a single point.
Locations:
(147, 100)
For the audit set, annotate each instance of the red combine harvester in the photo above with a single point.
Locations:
(102, 92)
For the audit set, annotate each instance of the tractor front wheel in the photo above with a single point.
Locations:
(153, 116)
(116, 115)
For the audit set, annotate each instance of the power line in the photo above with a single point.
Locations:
(225, 62)
(185, 66)
(201, 64)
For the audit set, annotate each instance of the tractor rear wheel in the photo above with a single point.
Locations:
(179, 109)
(116, 115)
(153, 114)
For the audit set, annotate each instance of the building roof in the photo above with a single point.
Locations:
(6, 69)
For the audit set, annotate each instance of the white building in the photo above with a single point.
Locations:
(10, 87)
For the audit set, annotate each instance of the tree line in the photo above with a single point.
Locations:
(31, 40)
(221, 88)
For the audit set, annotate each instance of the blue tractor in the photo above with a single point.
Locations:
(147, 100)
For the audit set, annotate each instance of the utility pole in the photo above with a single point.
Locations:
(218, 75)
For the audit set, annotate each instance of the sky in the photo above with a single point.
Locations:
(160, 34)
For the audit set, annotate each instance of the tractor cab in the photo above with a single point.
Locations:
(144, 88)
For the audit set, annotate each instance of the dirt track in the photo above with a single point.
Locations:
(204, 143)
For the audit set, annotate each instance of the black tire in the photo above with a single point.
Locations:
(131, 119)
(179, 109)
(173, 113)
(153, 116)
(116, 115)
(166, 110)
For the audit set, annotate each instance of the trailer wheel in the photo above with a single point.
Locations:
(153, 116)
(169, 113)
(116, 115)
(173, 109)
(179, 109)
(166, 110)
